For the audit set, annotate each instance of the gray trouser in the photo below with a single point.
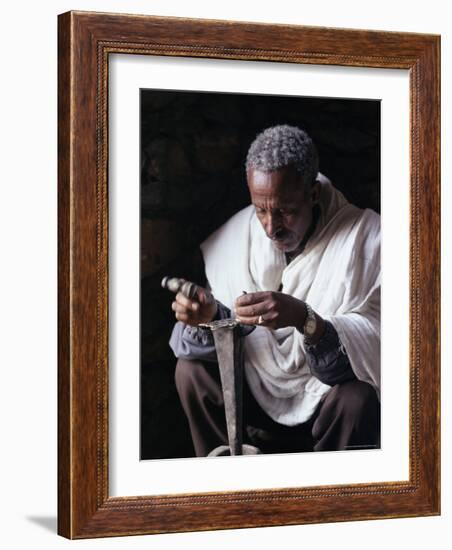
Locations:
(347, 417)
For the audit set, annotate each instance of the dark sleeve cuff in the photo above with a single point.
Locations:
(328, 359)
(189, 342)
(223, 312)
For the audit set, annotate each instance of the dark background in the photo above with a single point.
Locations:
(193, 150)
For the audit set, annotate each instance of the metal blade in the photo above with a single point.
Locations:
(227, 334)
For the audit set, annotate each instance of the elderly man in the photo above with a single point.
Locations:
(309, 262)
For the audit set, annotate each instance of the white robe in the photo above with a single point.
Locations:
(338, 275)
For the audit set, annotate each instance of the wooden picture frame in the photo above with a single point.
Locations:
(85, 42)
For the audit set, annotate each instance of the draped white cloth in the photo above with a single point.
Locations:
(338, 274)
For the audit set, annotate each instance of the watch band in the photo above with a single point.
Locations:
(310, 324)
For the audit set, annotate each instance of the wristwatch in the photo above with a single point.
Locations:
(310, 324)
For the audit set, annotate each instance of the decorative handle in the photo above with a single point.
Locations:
(174, 284)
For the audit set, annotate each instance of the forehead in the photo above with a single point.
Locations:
(281, 186)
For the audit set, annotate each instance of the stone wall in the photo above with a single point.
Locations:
(193, 148)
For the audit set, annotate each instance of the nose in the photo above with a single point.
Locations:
(272, 224)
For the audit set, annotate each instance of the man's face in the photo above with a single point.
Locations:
(283, 205)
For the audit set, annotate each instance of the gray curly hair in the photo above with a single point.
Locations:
(281, 146)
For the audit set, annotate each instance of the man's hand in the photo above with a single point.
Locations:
(270, 309)
(201, 309)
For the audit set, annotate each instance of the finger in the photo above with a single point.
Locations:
(247, 320)
(192, 305)
(204, 296)
(183, 317)
(252, 311)
(179, 308)
(251, 298)
(266, 319)
(260, 308)
(269, 320)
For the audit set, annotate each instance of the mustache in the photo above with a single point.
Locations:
(279, 235)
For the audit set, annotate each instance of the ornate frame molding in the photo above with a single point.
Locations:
(85, 42)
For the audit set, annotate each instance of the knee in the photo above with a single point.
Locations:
(186, 375)
(198, 382)
(356, 398)
(348, 418)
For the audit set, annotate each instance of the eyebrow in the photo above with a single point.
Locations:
(288, 206)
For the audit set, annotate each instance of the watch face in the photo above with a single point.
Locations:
(310, 326)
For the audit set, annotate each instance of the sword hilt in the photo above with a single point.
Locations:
(187, 288)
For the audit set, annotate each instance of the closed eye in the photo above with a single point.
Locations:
(287, 211)
(276, 212)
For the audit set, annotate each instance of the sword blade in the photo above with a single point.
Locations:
(229, 353)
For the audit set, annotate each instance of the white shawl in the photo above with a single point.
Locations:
(338, 275)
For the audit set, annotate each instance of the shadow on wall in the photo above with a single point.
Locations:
(193, 150)
(49, 523)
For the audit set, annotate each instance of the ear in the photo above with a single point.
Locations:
(315, 192)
